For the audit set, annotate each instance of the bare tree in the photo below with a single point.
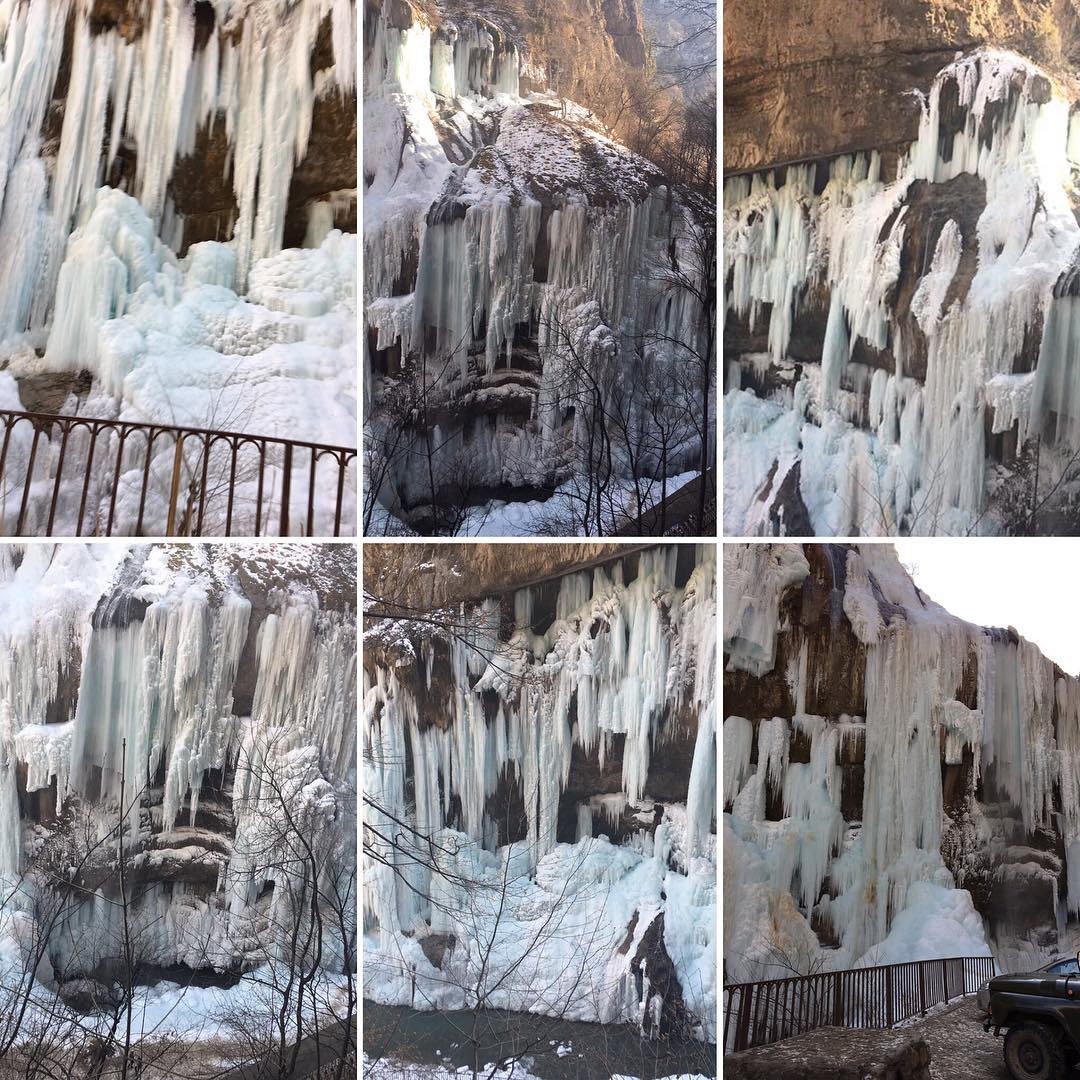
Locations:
(293, 904)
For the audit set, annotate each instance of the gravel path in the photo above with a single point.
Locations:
(959, 1048)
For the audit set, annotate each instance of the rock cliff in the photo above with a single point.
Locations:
(902, 226)
(897, 782)
(801, 83)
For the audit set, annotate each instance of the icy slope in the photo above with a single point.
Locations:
(508, 242)
(582, 725)
(898, 784)
(186, 678)
(893, 330)
(169, 341)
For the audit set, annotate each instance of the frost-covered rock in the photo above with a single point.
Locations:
(214, 691)
(507, 234)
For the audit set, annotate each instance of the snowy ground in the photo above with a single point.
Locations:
(402, 1070)
(173, 1010)
(169, 341)
(569, 919)
(528, 518)
(959, 1048)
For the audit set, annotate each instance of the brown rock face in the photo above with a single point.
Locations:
(623, 21)
(429, 576)
(330, 165)
(801, 82)
(202, 188)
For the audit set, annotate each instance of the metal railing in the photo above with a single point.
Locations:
(82, 476)
(874, 997)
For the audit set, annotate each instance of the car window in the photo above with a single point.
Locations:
(1065, 967)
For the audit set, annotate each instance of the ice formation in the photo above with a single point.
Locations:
(512, 251)
(155, 94)
(945, 288)
(173, 343)
(627, 663)
(937, 817)
(122, 674)
(235, 335)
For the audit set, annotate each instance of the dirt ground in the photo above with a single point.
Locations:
(959, 1048)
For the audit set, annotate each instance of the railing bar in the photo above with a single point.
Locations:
(259, 493)
(208, 447)
(174, 485)
(116, 481)
(340, 495)
(311, 496)
(27, 483)
(59, 475)
(151, 436)
(286, 491)
(3, 455)
(754, 1022)
(232, 491)
(86, 478)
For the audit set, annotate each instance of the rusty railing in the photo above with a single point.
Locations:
(874, 997)
(81, 476)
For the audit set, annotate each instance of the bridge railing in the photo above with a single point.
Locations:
(872, 997)
(82, 476)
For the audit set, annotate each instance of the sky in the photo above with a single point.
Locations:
(1033, 585)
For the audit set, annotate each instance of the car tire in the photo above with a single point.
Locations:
(1035, 1052)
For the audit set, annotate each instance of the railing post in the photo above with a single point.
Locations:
(890, 1015)
(28, 482)
(838, 999)
(174, 487)
(922, 987)
(742, 1020)
(286, 484)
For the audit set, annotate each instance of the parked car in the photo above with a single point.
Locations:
(1039, 1011)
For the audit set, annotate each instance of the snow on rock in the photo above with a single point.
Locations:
(889, 429)
(506, 232)
(753, 582)
(935, 921)
(622, 657)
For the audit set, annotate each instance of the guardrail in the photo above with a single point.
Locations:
(82, 476)
(873, 997)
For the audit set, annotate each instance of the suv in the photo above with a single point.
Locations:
(1041, 1010)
